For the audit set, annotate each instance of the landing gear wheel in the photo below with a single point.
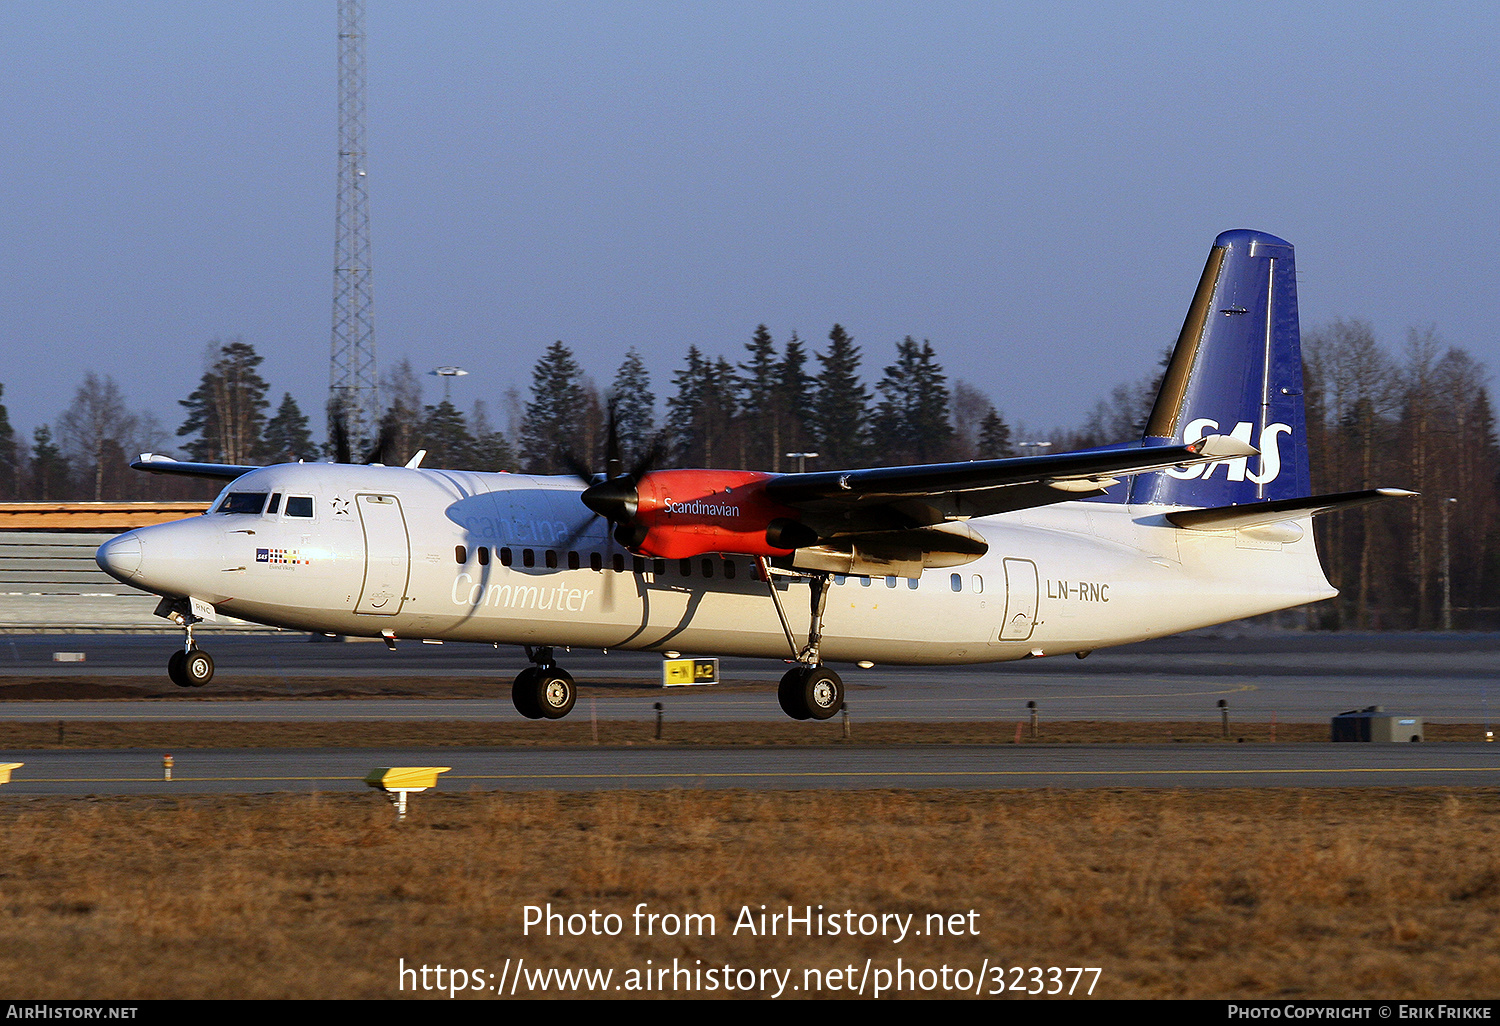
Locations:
(822, 693)
(524, 693)
(793, 693)
(174, 669)
(197, 668)
(556, 693)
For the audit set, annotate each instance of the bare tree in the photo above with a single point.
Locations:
(95, 429)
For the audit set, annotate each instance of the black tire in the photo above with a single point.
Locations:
(174, 669)
(822, 693)
(792, 694)
(524, 693)
(556, 693)
(197, 668)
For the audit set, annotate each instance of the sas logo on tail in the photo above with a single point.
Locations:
(1236, 469)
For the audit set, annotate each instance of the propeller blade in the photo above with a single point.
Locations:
(647, 462)
(380, 452)
(612, 461)
(578, 467)
(338, 432)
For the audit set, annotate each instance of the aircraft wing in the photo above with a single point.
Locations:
(156, 463)
(934, 493)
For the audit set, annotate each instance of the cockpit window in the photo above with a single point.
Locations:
(243, 502)
(299, 506)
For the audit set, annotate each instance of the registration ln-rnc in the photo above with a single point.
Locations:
(1204, 519)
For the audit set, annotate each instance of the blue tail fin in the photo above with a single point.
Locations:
(1236, 370)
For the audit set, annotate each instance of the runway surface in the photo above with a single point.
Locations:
(1291, 676)
(229, 771)
(1295, 676)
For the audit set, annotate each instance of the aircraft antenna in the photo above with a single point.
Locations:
(353, 385)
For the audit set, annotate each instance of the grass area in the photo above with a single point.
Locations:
(577, 730)
(1228, 893)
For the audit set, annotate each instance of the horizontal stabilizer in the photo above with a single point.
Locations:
(1261, 514)
(155, 463)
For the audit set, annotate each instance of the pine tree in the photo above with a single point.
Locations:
(911, 423)
(228, 410)
(685, 409)
(760, 402)
(445, 436)
(634, 405)
(288, 437)
(554, 413)
(994, 438)
(10, 466)
(794, 401)
(49, 470)
(492, 452)
(839, 415)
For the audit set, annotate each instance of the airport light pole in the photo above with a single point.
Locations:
(448, 374)
(1447, 570)
(801, 458)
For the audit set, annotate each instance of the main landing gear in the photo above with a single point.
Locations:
(544, 689)
(809, 690)
(810, 693)
(191, 667)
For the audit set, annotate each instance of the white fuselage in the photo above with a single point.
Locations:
(489, 558)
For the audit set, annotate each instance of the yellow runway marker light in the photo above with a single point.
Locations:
(399, 781)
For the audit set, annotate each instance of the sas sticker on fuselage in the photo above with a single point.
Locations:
(282, 557)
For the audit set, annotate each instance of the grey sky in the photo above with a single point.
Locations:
(1033, 189)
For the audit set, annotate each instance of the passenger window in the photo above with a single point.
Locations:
(484, 555)
(864, 582)
(460, 554)
(890, 582)
(978, 585)
(596, 561)
(638, 564)
(729, 569)
(299, 506)
(551, 559)
(619, 562)
(572, 561)
(912, 582)
(957, 580)
(686, 566)
(708, 569)
(506, 556)
(528, 558)
(839, 578)
(659, 567)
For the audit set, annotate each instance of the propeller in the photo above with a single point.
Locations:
(338, 436)
(614, 495)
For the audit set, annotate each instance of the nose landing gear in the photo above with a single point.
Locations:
(191, 667)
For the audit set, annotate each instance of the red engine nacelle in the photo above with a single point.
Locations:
(689, 512)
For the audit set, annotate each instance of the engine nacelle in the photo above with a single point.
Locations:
(686, 513)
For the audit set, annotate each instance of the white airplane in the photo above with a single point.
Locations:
(1206, 519)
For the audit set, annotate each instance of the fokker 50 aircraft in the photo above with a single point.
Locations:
(1205, 519)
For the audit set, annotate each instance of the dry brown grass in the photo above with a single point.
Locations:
(1244, 893)
(575, 731)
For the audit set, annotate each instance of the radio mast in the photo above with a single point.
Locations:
(353, 385)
